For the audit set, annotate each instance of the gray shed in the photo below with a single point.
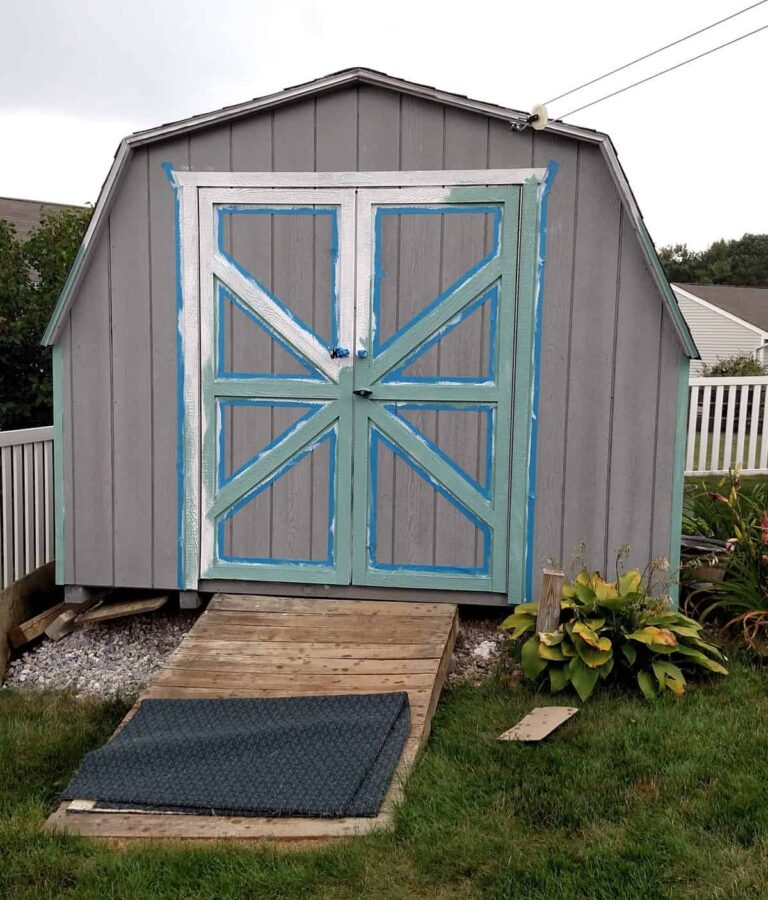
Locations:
(361, 338)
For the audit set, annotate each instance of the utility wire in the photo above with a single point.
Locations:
(654, 52)
(664, 72)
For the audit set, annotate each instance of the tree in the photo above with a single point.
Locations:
(742, 261)
(32, 274)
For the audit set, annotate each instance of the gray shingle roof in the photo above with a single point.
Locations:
(748, 303)
(25, 215)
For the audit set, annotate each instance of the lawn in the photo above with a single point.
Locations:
(629, 799)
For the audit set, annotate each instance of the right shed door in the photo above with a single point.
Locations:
(436, 309)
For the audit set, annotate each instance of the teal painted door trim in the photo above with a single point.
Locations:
(58, 461)
(678, 478)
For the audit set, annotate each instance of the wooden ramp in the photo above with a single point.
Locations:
(254, 646)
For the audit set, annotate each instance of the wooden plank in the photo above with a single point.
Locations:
(127, 826)
(17, 453)
(633, 436)
(91, 422)
(178, 676)
(278, 664)
(162, 244)
(742, 428)
(440, 676)
(717, 424)
(29, 509)
(556, 348)
(704, 428)
(298, 607)
(666, 424)
(356, 633)
(119, 610)
(396, 624)
(764, 434)
(35, 627)
(132, 379)
(754, 408)
(62, 468)
(38, 516)
(465, 239)
(334, 650)
(539, 723)
(293, 274)
(18, 601)
(6, 516)
(585, 498)
(729, 417)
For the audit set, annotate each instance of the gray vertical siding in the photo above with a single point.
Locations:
(609, 356)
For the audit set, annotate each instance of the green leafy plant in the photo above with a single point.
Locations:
(736, 513)
(613, 632)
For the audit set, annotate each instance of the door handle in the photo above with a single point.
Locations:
(362, 392)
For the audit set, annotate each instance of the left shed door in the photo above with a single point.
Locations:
(276, 301)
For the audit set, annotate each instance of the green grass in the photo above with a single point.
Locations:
(628, 799)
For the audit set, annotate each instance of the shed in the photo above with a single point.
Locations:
(360, 338)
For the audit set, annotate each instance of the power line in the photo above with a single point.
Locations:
(663, 72)
(654, 52)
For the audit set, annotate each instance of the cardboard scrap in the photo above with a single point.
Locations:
(539, 723)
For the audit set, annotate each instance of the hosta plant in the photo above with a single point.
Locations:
(613, 632)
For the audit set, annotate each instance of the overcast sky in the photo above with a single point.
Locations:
(77, 75)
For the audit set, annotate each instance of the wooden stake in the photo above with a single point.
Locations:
(551, 597)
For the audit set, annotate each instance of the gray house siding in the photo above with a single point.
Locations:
(609, 354)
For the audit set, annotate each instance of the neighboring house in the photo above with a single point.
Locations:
(25, 215)
(725, 320)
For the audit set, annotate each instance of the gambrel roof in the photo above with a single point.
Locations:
(349, 77)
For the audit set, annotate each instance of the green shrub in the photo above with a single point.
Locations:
(733, 366)
(613, 632)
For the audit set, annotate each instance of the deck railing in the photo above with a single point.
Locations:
(727, 425)
(26, 502)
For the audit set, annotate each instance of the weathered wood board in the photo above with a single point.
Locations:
(539, 723)
(18, 602)
(254, 646)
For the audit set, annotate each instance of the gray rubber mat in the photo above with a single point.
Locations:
(328, 756)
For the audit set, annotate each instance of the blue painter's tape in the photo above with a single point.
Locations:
(491, 297)
(487, 409)
(312, 407)
(379, 273)
(479, 571)
(329, 435)
(222, 211)
(552, 168)
(227, 296)
(180, 427)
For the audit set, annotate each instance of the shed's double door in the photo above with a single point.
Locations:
(357, 352)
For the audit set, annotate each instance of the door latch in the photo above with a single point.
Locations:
(339, 352)
(363, 392)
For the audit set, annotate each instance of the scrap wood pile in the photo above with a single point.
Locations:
(77, 611)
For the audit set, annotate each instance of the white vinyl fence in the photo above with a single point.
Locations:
(727, 424)
(26, 502)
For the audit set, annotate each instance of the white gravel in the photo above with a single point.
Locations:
(477, 651)
(118, 657)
